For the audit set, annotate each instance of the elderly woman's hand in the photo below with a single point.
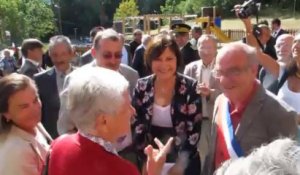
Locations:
(157, 157)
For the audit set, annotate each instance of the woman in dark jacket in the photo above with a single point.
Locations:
(167, 104)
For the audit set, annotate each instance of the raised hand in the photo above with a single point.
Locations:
(157, 157)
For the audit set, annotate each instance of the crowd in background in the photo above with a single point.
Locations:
(207, 109)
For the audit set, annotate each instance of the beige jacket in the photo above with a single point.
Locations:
(22, 153)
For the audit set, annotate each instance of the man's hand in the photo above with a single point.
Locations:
(203, 90)
(157, 157)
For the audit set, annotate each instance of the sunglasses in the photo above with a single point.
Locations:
(110, 55)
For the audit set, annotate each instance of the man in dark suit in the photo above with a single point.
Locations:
(50, 82)
(87, 56)
(126, 55)
(276, 28)
(137, 40)
(188, 54)
(32, 51)
(138, 62)
(245, 115)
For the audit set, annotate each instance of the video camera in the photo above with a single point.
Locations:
(248, 8)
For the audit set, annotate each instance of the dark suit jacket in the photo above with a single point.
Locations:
(46, 83)
(86, 58)
(269, 49)
(129, 55)
(268, 81)
(281, 31)
(188, 55)
(28, 69)
(264, 120)
(133, 45)
(138, 62)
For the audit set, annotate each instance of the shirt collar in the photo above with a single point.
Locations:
(209, 66)
(108, 146)
(58, 72)
(246, 100)
(33, 62)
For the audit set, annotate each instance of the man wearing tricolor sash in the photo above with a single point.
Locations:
(245, 115)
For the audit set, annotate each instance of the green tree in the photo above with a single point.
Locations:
(172, 6)
(25, 18)
(126, 8)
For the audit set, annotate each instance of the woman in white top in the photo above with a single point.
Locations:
(23, 140)
(290, 91)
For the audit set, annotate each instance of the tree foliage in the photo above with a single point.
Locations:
(25, 18)
(127, 8)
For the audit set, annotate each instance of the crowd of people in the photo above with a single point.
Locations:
(159, 105)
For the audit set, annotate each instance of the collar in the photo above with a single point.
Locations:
(33, 62)
(209, 66)
(245, 101)
(276, 31)
(108, 146)
(58, 72)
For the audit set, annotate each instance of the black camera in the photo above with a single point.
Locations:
(248, 8)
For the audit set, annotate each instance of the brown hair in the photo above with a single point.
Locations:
(30, 44)
(9, 85)
(158, 45)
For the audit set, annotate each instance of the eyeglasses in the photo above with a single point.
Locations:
(232, 72)
(110, 55)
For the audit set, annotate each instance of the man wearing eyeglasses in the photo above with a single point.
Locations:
(107, 51)
(245, 115)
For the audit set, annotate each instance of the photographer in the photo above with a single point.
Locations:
(288, 75)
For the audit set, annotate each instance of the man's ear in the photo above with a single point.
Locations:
(6, 116)
(93, 52)
(101, 124)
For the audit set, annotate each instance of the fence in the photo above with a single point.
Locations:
(238, 34)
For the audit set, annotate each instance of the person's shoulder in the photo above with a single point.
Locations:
(140, 47)
(184, 79)
(15, 147)
(45, 73)
(65, 141)
(86, 54)
(128, 69)
(278, 106)
(193, 64)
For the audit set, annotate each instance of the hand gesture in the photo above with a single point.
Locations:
(203, 89)
(157, 157)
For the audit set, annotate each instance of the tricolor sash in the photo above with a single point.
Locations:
(224, 123)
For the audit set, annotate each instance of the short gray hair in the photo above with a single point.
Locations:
(58, 39)
(280, 157)
(250, 52)
(93, 91)
(145, 39)
(205, 37)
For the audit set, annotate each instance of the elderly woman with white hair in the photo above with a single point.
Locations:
(99, 104)
(281, 157)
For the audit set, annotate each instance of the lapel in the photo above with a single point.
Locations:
(30, 65)
(30, 139)
(150, 84)
(253, 109)
(199, 71)
(51, 83)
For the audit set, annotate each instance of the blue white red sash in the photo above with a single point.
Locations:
(224, 122)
